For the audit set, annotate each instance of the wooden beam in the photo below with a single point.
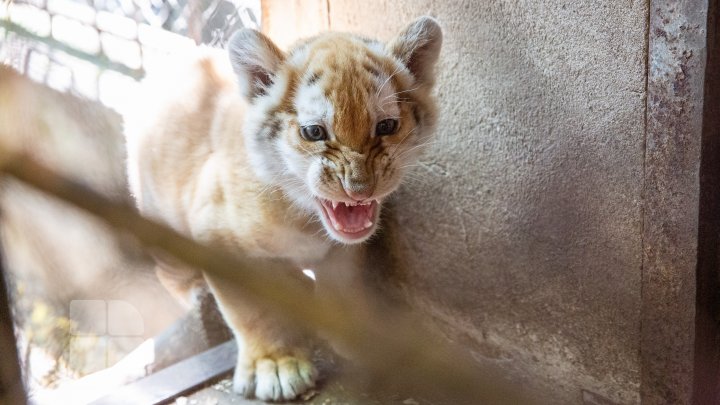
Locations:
(176, 380)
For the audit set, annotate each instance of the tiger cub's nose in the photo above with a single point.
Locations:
(359, 194)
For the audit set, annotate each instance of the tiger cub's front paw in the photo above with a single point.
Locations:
(274, 378)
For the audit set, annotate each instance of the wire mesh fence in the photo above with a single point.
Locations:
(97, 48)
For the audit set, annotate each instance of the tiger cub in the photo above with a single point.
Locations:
(285, 155)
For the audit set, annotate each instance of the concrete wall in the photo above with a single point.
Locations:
(522, 231)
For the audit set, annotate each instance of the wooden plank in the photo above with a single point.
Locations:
(177, 379)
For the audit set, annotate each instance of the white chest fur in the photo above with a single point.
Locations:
(241, 214)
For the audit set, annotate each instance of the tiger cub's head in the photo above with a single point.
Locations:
(336, 121)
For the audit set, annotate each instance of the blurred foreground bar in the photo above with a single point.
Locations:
(391, 353)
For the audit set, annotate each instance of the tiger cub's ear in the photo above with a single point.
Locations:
(418, 47)
(255, 60)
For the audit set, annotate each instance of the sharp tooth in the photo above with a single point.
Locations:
(368, 224)
(334, 204)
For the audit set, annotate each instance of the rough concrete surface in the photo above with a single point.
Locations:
(522, 231)
(332, 393)
(552, 227)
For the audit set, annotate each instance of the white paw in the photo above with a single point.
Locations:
(270, 379)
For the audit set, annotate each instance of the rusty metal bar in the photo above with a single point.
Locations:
(675, 69)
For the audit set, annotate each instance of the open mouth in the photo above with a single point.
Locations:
(350, 220)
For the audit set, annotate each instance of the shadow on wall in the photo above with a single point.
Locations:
(521, 229)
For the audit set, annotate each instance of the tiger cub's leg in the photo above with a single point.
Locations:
(274, 355)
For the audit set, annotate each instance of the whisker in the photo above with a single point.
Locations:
(429, 143)
(400, 92)
(395, 150)
(397, 70)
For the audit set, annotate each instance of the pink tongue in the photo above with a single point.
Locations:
(351, 218)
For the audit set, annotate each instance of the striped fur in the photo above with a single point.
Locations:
(216, 151)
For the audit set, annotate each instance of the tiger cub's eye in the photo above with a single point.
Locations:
(313, 133)
(386, 127)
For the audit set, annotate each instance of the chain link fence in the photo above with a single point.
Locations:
(93, 52)
(97, 48)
